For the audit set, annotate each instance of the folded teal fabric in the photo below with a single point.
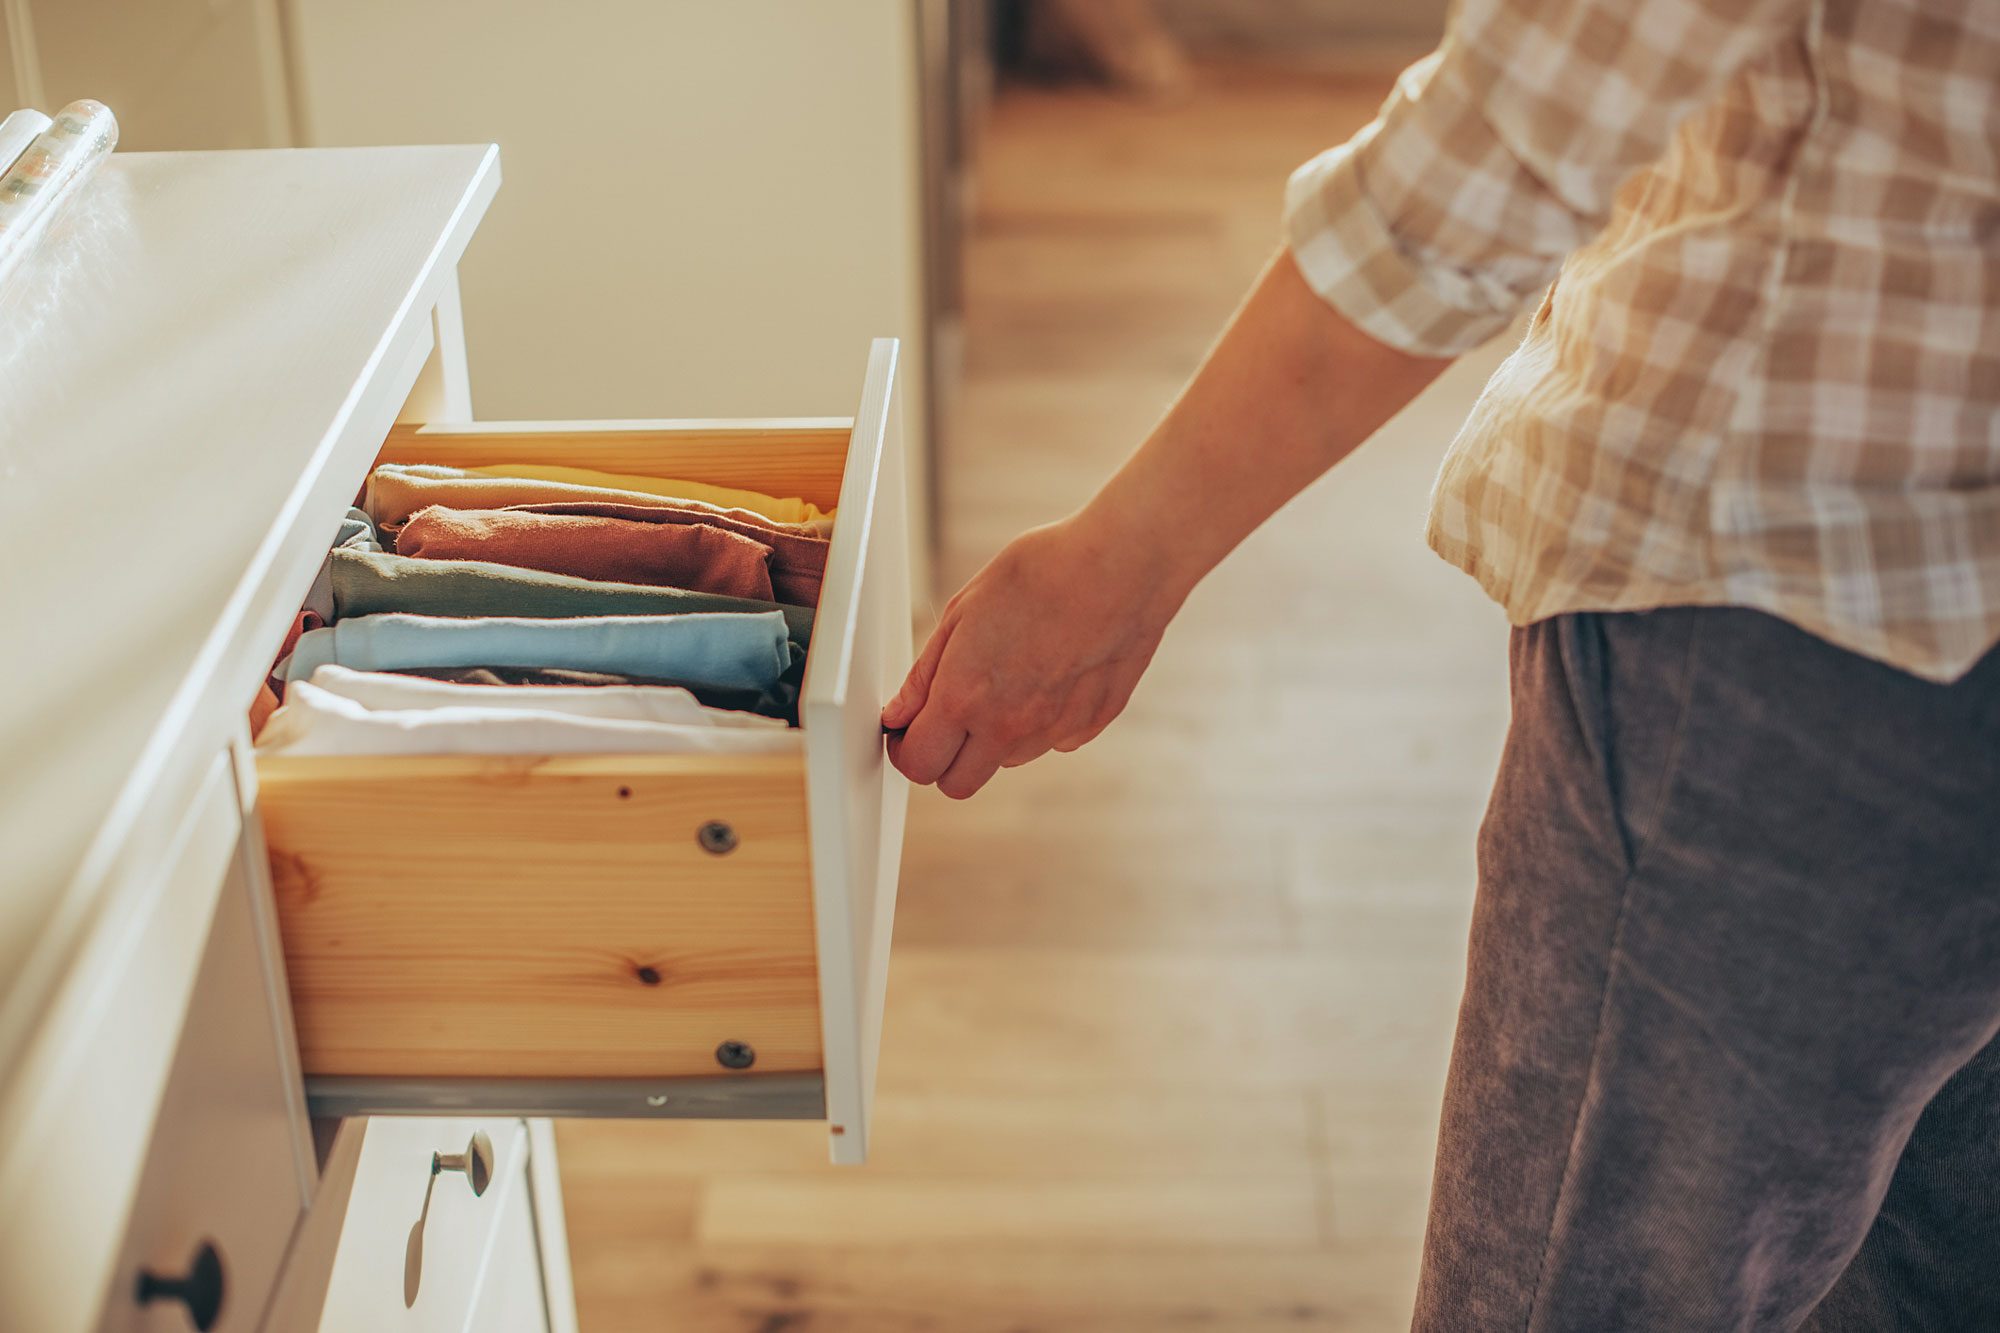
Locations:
(368, 583)
(718, 650)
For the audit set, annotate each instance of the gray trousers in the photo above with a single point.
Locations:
(1727, 1055)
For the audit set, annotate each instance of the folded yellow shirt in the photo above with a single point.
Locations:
(724, 497)
(398, 490)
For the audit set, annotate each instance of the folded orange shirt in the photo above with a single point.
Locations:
(612, 547)
(397, 490)
(798, 559)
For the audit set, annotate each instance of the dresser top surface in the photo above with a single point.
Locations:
(177, 360)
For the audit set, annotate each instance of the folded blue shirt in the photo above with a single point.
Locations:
(719, 650)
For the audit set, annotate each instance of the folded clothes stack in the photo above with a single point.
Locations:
(397, 490)
(543, 609)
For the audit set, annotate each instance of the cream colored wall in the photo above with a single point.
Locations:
(178, 73)
(708, 209)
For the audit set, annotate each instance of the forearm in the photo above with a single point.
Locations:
(1289, 390)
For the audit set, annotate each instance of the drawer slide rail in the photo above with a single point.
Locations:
(744, 1097)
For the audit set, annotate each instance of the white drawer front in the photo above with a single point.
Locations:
(222, 1174)
(81, 1107)
(855, 799)
(414, 1248)
(510, 1298)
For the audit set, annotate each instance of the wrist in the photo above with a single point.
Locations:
(1142, 555)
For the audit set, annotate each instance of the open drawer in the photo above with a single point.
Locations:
(618, 935)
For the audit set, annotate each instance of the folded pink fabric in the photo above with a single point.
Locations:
(798, 559)
(611, 547)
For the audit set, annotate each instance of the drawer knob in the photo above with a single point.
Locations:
(716, 838)
(199, 1289)
(476, 1161)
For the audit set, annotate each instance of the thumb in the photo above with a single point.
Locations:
(915, 690)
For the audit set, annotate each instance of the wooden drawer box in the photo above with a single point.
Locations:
(622, 935)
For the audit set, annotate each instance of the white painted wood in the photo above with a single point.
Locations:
(855, 799)
(179, 74)
(385, 1281)
(221, 1168)
(551, 1228)
(443, 391)
(275, 992)
(73, 1138)
(302, 1286)
(204, 366)
(510, 1296)
(649, 425)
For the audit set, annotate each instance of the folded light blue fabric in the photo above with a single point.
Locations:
(715, 650)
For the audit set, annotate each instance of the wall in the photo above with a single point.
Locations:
(178, 73)
(706, 209)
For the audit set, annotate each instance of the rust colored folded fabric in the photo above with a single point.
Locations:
(301, 623)
(397, 490)
(610, 547)
(261, 708)
(798, 560)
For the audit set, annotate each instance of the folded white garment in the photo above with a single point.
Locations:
(314, 721)
(380, 690)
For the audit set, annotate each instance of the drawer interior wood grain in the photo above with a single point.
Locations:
(466, 916)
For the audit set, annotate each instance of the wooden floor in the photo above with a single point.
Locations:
(1169, 1017)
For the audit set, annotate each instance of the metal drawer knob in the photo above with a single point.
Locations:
(199, 1289)
(476, 1161)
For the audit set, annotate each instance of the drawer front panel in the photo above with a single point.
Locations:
(861, 650)
(82, 1105)
(222, 1170)
(414, 1247)
(510, 1298)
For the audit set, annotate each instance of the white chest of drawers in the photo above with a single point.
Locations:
(195, 374)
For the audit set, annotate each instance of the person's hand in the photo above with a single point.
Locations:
(1039, 652)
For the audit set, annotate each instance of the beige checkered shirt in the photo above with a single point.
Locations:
(1767, 373)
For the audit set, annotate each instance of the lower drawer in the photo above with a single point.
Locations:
(223, 1184)
(416, 1247)
(512, 1298)
(622, 935)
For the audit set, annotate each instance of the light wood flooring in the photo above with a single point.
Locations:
(1168, 1017)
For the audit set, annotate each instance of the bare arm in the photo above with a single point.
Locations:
(1042, 648)
(1422, 236)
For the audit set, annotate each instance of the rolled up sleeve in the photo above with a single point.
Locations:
(1500, 153)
